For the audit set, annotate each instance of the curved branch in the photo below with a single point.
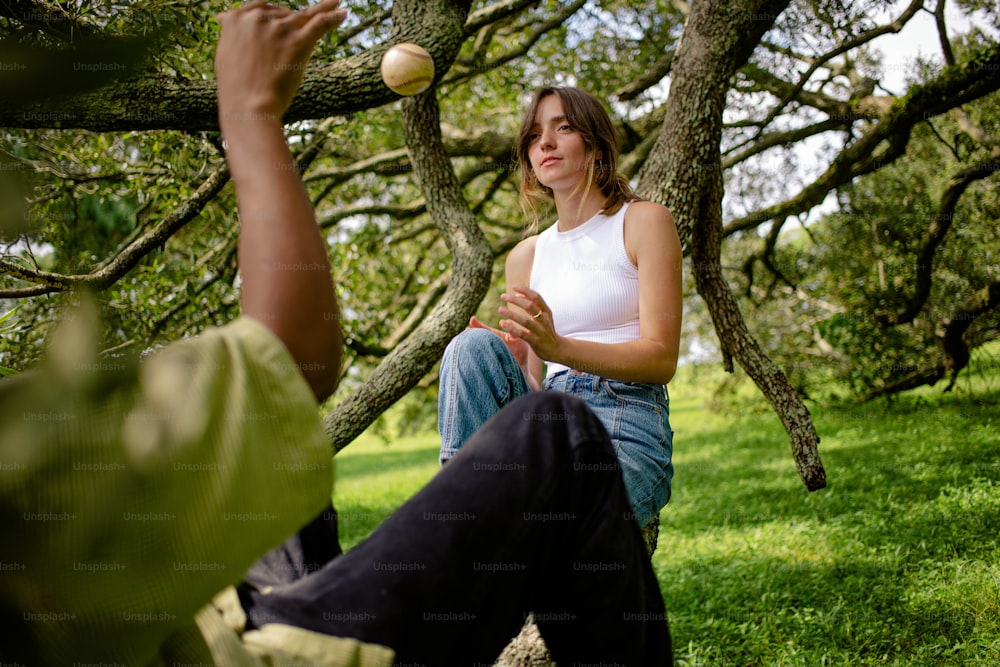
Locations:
(767, 254)
(924, 376)
(426, 299)
(773, 139)
(395, 162)
(493, 13)
(117, 265)
(838, 109)
(689, 181)
(942, 30)
(956, 351)
(957, 185)
(51, 19)
(350, 32)
(158, 102)
(391, 162)
(637, 86)
(396, 211)
(472, 263)
(956, 85)
(124, 261)
(894, 26)
(527, 42)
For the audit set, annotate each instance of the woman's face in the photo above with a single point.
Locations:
(556, 151)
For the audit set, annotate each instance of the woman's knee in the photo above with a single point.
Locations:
(477, 344)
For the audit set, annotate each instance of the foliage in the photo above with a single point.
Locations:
(90, 194)
(835, 277)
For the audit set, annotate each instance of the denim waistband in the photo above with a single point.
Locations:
(577, 379)
(591, 381)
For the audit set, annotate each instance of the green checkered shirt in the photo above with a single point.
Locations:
(132, 494)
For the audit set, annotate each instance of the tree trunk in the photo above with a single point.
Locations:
(685, 173)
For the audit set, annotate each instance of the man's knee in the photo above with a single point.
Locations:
(553, 407)
(554, 416)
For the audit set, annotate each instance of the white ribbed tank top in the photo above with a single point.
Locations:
(587, 280)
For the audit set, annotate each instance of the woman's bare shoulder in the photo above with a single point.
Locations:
(523, 253)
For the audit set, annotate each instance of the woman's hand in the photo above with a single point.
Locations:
(518, 347)
(531, 322)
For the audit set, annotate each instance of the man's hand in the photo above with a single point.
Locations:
(263, 51)
(287, 282)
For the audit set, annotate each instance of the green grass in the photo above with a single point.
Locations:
(895, 562)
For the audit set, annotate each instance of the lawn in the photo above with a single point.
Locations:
(895, 562)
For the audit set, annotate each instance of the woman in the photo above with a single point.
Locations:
(593, 303)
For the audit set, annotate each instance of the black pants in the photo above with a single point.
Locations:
(530, 516)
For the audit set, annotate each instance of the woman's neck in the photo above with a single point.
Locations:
(572, 214)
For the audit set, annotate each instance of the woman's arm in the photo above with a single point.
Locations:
(652, 243)
(518, 272)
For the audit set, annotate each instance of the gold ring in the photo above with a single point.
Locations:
(535, 317)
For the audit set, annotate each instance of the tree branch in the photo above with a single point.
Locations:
(942, 30)
(894, 26)
(472, 69)
(774, 139)
(936, 233)
(685, 172)
(122, 262)
(972, 79)
(472, 263)
(51, 19)
(158, 102)
(637, 86)
(956, 351)
(493, 13)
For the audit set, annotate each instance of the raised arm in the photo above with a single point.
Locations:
(286, 278)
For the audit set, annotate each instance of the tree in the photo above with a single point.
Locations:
(749, 82)
(905, 265)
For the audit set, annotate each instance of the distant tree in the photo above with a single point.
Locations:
(895, 288)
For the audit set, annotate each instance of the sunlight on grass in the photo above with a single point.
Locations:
(374, 478)
(894, 563)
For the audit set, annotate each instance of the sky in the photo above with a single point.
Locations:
(918, 38)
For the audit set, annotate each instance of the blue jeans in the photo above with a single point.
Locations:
(479, 376)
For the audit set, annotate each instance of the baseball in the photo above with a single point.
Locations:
(407, 69)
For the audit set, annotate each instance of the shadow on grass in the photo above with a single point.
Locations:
(392, 460)
(372, 485)
(851, 612)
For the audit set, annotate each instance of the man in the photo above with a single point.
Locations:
(132, 495)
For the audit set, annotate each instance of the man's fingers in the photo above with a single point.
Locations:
(246, 8)
(325, 8)
(320, 7)
(320, 24)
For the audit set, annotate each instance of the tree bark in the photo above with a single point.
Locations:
(956, 350)
(685, 173)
